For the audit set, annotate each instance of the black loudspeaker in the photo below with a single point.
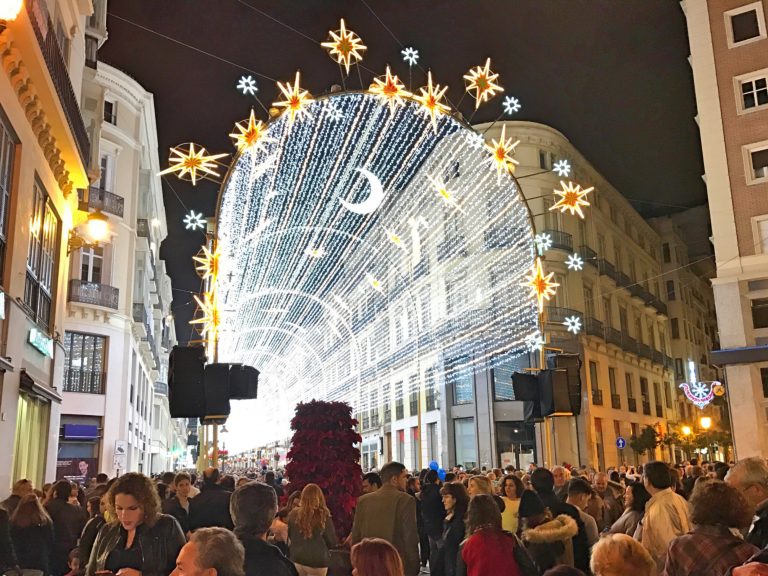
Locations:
(553, 392)
(186, 398)
(243, 382)
(216, 387)
(572, 365)
(525, 386)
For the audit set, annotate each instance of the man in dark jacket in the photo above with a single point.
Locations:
(750, 477)
(211, 506)
(68, 523)
(432, 512)
(253, 507)
(544, 484)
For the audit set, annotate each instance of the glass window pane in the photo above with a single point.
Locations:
(466, 448)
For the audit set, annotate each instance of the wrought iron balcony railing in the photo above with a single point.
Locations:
(557, 315)
(84, 381)
(560, 240)
(93, 293)
(597, 397)
(616, 401)
(632, 404)
(594, 327)
(100, 199)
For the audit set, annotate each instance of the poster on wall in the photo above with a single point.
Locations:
(80, 470)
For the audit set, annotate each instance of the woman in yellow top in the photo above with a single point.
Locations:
(511, 491)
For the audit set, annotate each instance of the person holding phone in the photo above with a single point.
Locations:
(137, 540)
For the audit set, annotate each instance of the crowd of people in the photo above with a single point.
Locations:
(656, 520)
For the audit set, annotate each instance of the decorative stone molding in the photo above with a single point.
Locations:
(12, 63)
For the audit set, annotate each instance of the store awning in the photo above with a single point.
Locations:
(31, 386)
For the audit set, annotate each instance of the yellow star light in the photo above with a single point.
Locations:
(345, 45)
(313, 252)
(211, 318)
(572, 198)
(430, 97)
(395, 238)
(501, 150)
(296, 99)
(191, 162)
(482, 81)
(207, 263)
(541, 286)
(251, 136)
(442, 191)
(373, 282)
(390, 90)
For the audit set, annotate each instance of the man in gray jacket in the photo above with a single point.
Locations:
(390, 513)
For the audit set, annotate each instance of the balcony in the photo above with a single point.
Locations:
(57, 68)
(594, 327)
(623, 280)
(84, 381)
(161, 388)
(615, 401)
(661, 307)
(100, 199)
(557, 315)
(560, 240)
(628, 344)
(588, 255)
(659, 411)
(657, 357)
(632, 404)
(644, 351)
(646, 408)
(613, 336)
(597, 397)
(93, 293)
(607, 269)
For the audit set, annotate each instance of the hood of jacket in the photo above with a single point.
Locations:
(560, 528)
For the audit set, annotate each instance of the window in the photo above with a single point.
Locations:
(430, 385)
(7, 149)
(630, 385)
(110, 112)
(91, 262)
(415, 447)
(612, 381)
(413, 391)
(42, 258)
(758, 164)
(106, 177)
(745, 24)
(679, 372)
(644, 389)
(754, 92)
(666, 255)
(432, 441)
(760, 313)
(589, 301)
(399, 408)
(675, 328)
(462, 382)
(426, 300)
(667, 395)
(593, 381)
(464, 440)
(84, 362)
(545, 160)
(456, 295)
(764, 378)
(502, 382)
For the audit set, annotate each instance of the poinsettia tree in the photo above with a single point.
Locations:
(323, 452)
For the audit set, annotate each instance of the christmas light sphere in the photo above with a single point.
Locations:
(367, 249)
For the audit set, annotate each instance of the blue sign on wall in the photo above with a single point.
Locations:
(621, 443)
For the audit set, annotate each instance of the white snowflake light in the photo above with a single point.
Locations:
(333, 111)
(410, 55)
(247, 85)
(575, 262)
(562, 167)
(573, 324)
(475, 140)
(193, 221)
(511, 105)
(543, 242)
(534, 342)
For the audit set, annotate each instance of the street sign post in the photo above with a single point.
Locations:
(120, 460)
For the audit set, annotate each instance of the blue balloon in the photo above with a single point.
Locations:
(441, 474)
(434, 465)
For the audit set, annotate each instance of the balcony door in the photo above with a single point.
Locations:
(91, 264)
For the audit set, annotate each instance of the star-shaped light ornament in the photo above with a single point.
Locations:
(247, 85)
(211, 316)
(511, 105)
(562, 168)
(541, 285)
(572, 198)
(296, 99)
(534, 342)
(575, 262)
(573, 324)
(207, 263)
(192, 161)
(410, 55)
(390, 90)
(395, 238)
(250, 136)
(374, 283)
(442, 191)
(193, 220)
(429, 98)
(316, 252)
(482, 81)
(344, 46)
(501, 150)
(543, 242)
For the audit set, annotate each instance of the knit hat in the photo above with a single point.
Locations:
(530, 505)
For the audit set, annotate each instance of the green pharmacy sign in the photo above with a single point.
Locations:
(41, 342)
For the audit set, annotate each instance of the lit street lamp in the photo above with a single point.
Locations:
(94, 230)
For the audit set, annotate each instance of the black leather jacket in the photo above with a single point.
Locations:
(160, 545)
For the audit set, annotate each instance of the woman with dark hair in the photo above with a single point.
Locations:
(68, 522)
(137, 540)
(96, 508)
(32, 535)
(710, 548)
(487, 549)
(178, 504)
(375, 557)
(432, 513)
(511, 491)
(311, 533)
(635, 499)
(455, 501)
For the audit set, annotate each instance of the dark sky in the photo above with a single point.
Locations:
(612, 75)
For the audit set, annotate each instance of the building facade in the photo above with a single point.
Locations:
(44, 153)
(118, 329)
(729, 57)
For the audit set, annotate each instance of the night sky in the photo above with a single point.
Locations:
(612, 75)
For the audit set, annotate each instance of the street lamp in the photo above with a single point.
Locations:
(9, 9)
(686, 430)
(95, 230)
(706, 424)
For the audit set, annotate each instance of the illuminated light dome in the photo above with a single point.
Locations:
(343, 273)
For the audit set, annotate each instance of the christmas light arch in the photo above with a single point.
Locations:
(362, 244)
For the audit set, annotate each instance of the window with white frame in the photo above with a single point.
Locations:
(42, 258)
(91, 264)
(753, 91)
(8, 141)
(761, 230)
(745, 24)
(757, 162)
(110, 112)
(106, 179)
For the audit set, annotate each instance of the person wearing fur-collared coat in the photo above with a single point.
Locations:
(547, 539)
